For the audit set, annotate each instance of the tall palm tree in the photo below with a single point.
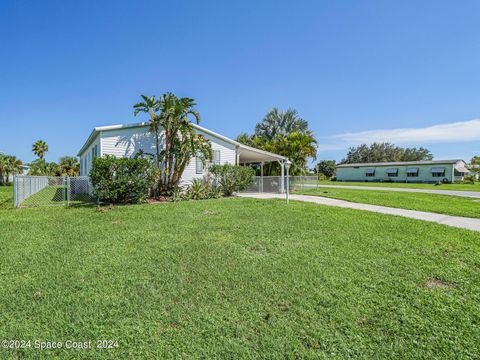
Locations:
(281, 123)
(40, 148)
(170, 115)
(150, 105)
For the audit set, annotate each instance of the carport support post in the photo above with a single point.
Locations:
(282, 176)
(287, 166)
(261, 176)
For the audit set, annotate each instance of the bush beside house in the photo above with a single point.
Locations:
(122, 180)
(232, 178)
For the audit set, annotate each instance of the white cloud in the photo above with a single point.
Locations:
(461, 131)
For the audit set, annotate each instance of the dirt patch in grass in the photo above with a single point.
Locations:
(435, 283)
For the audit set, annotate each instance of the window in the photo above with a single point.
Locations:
(438, 171)
(412, 172)
(392, 172)
(199, 164)
(370, 172)
(216, 157)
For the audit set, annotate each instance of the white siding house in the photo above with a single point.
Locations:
(127, 140)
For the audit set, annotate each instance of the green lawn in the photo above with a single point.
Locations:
(442, 204)
(6, 197)
(238, 278)
(458, 187)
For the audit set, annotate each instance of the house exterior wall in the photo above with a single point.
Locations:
(127, 142)
(86, 158)
(424, 173)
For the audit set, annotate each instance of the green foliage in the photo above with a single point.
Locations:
(297, 147)
(40, 167)
(277, 124)
(9, 165)
(169, 118)
(40, 148)
(385, 152)
(199, 189)
(69, 166)
(121, 180)
(232, 178)
(286, 134)
(326, 168)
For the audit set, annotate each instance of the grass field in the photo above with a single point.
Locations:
(458, 187)
(442, 204)
(238, 278)
(6, 197)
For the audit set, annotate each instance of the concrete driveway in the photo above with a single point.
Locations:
(455, 221)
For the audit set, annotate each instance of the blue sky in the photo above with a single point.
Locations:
(356, 70)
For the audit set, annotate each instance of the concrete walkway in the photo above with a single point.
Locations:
(469, 194)
(456, 221)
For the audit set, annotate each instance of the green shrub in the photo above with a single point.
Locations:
(122, 180)
(199, 189)
(232, 178)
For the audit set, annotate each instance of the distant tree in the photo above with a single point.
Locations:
(281, 123)
(40, 167)
(69, 166)
(475, 164)
(385, 152)
(40, 148)
(9, 165)
(327, 168)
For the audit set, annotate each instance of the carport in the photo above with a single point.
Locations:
(249, 155)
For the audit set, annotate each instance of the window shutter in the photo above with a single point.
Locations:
(198, 165)
(216, 157)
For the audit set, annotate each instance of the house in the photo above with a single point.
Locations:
(410, 171)
(127, 140)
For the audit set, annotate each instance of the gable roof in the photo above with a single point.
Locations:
(400, 163)
(98, 129)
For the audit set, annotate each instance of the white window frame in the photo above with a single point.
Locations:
(199, 167)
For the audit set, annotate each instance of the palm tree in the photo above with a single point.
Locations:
(9, 165)
(298, 148)
(281, 123)
(151, 106)
(170, 114)
(69, 166)
(3, 167)
(40, 148)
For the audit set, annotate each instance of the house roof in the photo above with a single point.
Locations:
(400, 163)
(250, 154)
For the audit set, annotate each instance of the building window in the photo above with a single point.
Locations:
(370, 172)
(199, 164)
(392, 172)
(412, 172)
(216, 157)
(438, 172)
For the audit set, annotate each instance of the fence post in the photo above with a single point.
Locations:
(67, 189)
(15, 189)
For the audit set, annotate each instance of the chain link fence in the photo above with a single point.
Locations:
(31, 191)
(273, 184)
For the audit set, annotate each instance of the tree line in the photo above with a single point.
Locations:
(10, 165)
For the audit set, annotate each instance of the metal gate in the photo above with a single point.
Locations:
(31, 191)
(273, 184)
